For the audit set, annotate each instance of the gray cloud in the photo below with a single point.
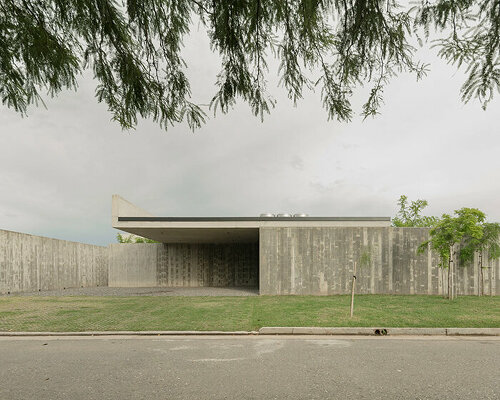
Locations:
(297, 163)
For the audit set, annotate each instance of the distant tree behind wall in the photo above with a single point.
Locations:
(410, 215)
(133, 239)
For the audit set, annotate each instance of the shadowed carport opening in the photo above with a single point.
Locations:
(194, 257)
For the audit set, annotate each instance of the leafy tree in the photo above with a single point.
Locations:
(451, 231)
(488, 242)
(410, 215)
(133, 239)
(134, 50)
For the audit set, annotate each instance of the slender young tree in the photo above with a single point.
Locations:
(134, 50)
(488, 243)
(448, 233)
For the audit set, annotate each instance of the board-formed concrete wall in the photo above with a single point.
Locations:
(188, 265)
(31, 263)
(320, 261)
(316, 261)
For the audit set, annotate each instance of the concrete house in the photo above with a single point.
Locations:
(283, 255)
(278, 255)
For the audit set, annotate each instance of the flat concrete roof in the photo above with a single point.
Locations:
(132, 219)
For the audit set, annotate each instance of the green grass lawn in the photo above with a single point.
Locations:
(64, 314)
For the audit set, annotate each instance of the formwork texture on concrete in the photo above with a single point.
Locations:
(320, 261)
(31, 263)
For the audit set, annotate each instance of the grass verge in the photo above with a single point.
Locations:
(66, 314)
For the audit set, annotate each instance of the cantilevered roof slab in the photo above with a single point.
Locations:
(129, 218)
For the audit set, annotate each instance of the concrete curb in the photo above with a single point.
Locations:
(132, 333)
(473, 331)
(374, 331)
(269, 330)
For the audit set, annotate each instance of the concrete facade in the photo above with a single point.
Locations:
(294, 260)
(31, 263)
(184, 265)
(319, 261)
(301, 261)
(310, 256)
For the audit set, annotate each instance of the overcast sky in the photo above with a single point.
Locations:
(60, 166)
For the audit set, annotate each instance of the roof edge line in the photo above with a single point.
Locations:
(214, 219)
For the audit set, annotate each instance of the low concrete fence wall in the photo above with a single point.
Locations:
(319, 261)
(316, 261)
(188, 265)
(31, 263)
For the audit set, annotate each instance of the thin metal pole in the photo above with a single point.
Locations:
(352, 290)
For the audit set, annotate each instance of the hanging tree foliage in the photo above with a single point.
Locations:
(134, 50)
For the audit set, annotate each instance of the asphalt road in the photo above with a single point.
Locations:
(249, 367)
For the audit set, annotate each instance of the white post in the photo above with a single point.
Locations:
(352, 290)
